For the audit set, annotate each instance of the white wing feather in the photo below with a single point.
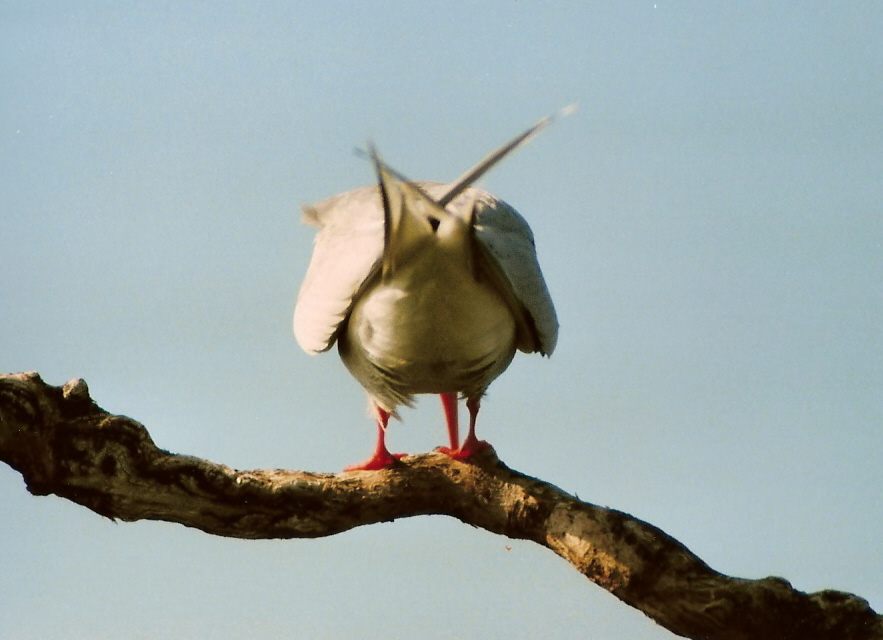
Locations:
(348, 245)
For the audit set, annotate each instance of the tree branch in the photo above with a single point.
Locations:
(63, 443)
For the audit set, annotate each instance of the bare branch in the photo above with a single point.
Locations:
(63, 443)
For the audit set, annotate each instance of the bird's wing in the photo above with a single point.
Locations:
(508, 255)
(348, 249)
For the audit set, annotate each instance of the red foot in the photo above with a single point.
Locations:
(467, 450)
(471, 445)
(376, 462)
(381, 458)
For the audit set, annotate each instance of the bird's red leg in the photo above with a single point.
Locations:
(471, 444)
(381, 458)
(449, 402)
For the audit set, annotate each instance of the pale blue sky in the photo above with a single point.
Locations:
(709, 223)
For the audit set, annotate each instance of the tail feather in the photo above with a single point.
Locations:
(409, 214)
(464, 181)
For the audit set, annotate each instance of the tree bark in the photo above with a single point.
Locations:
(64, 444)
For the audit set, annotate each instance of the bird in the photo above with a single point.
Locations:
(426, 288)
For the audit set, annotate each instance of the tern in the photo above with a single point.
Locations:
(427, 288)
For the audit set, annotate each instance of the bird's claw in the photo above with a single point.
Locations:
(466, 450)
(377, 462)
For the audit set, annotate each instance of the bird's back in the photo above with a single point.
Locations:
(349, 249)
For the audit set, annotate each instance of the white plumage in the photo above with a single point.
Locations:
(426, 288)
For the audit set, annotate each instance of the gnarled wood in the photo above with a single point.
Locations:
(63, 443)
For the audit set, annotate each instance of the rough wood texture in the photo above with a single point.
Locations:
(64, 444)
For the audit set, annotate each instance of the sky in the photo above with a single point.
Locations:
(709, 223)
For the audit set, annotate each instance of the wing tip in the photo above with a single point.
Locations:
(309, 215)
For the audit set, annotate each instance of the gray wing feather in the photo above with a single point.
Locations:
(508, 238)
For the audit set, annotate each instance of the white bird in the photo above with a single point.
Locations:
(426, 288)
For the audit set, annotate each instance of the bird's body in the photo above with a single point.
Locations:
(432, 327)
(426, 288)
